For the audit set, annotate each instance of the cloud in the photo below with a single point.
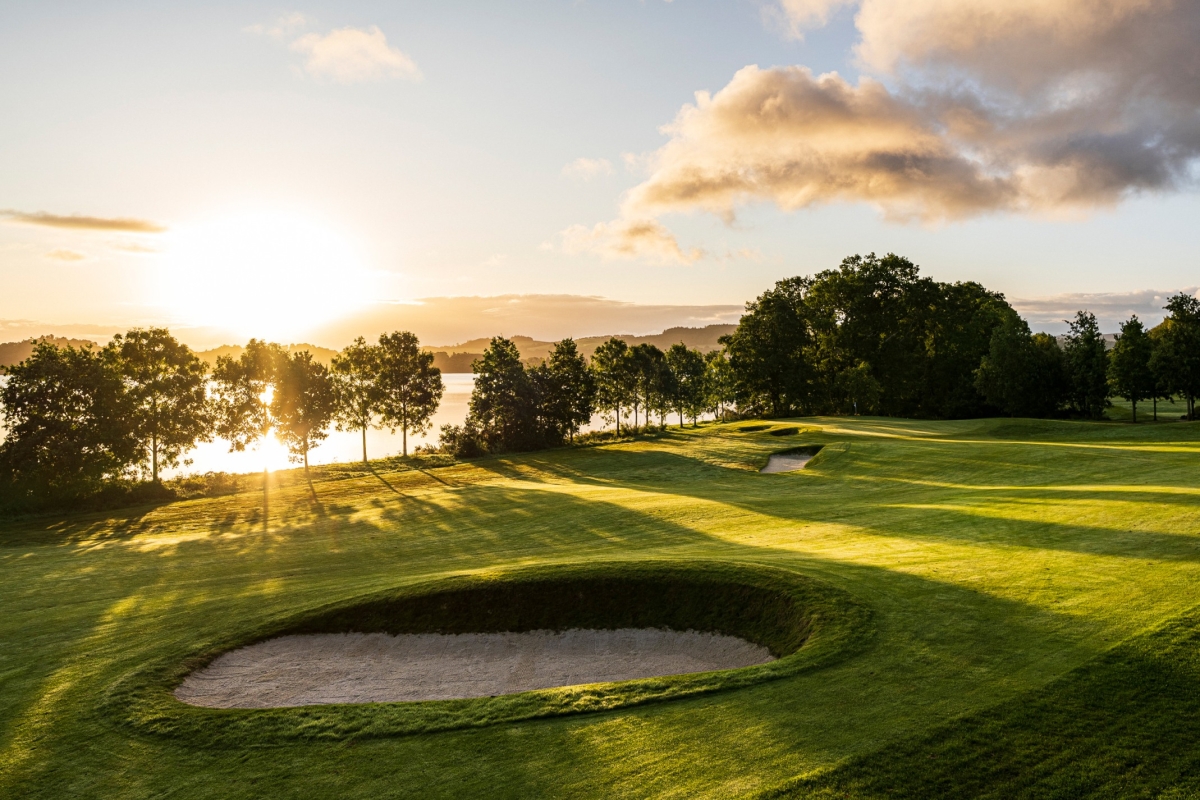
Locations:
(65, 255)
(135, 247)
(1110, 308)
(76, 222)
(284, 26)
(1038, 107)
(587, 168)
(646, 239)
(354, 55)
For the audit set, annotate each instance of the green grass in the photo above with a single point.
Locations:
(1030, 587)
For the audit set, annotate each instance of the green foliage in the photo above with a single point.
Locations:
(165, 381)
(650, 381)
(503, 403)
(720, 381)
(690, 375)
(1176, 358)
(1087, 367)
(409, 385)
(566, 392)
(615, 378)
(1022, 375)
(1129, 373)
(355, 372)
(70, 427)
(871, 335)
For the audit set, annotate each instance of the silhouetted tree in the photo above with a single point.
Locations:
(69, 425)
(166, 385)
(1087, 366)
(355, 373)
(859, 387)
(410, 387)
(243, 389)
(1129, 372)
(303, 406)
(614, 378)
(645, 363)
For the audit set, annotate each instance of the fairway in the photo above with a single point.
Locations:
(985, 582)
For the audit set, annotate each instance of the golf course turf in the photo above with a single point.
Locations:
(998, 608)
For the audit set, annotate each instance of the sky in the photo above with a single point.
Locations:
(295, 171)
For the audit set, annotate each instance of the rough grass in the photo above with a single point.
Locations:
(1030, 586)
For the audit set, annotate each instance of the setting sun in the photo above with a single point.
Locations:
(260, 273)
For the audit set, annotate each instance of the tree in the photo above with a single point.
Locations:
(355, 372)
(244, 388)
(1177, 358)
(502, 403)
(690, 371)
(1087, 366)
(566, 391)
(860, 388)
(614, 377)
(719, 380)
(645, 364)
(303, 406)
(166, 385)
(1022, 374)
(1129, 372)
(69, 425)
(410, 386)
(769, 353)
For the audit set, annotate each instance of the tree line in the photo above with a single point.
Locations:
(870, 337)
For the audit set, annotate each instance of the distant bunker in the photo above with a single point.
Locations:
(500, 637)
(790, 460)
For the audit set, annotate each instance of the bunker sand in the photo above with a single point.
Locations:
(787, 462)
(378, 668)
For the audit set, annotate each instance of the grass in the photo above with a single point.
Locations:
(1030, 585)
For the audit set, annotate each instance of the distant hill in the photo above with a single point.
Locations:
(15, 352)
(449, 358)
(209, 357)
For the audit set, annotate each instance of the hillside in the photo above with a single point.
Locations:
(16, 352)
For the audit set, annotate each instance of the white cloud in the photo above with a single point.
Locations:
(587, 168)
(354, 55)
(65, 255)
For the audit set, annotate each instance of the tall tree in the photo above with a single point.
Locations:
(1129, 371)
(567, 391)
(770, 350)
(719, 379)
(1177, 358)
(355, 373)
(646, 363)
(166, 385)
(69, 426)
(1022, 374)
(691, 389)
(1087, 366)
(303, 406)
(410, 386)
(503, 406)
(243, 389)
(614, 377)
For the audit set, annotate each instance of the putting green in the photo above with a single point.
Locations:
(1005, 569)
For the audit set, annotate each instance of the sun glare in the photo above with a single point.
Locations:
(265, 274)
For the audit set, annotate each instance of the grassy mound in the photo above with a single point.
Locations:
(803, 622)
(1123, 725)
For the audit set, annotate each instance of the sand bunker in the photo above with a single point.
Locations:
(377, 667)
(787, 462)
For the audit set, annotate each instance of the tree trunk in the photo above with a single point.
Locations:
(154, 456)
(364, 434)
(681, 418)
(308, 477)
(618, 420)
(1156, 409)
(1135, 412)
(266, 503)
(404, 427)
